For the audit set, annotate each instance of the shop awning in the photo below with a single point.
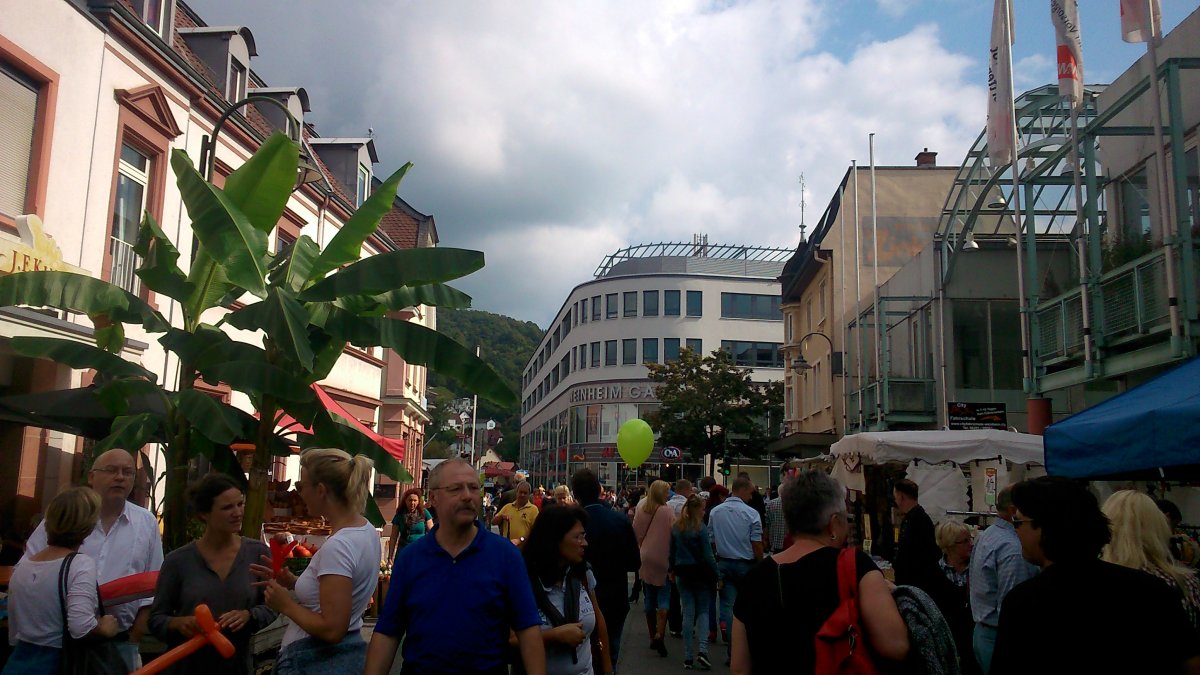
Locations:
(1149, 431)
(499, 469)
(393, 446)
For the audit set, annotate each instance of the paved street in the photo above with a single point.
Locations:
(638, 659)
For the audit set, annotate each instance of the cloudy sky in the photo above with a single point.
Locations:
(550, 134)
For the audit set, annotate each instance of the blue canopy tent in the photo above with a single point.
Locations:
(1151, 431)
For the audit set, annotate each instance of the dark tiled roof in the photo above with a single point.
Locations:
(402, 227)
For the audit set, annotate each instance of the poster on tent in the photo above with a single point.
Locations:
(962, 416)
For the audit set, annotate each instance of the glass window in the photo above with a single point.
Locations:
(595, 354)
(695, 303)
(670, 349)
(593, 423)
(595, 308)
(629, 352)
(971, 345)
(649, 303)
(696, 345)
(630, 303)
(610, 306)
(237, 81)
(610, 352)
(670, 303)
(18, 126)
(750, 306)
(649, 350)
(1006, 345)
(564, 367)
(754, 354)
(583, 310)
(133, 180)
(610, 422)
(364, 184)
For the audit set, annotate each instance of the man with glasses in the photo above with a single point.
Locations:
(124, 542)
(516, 519)
(997, 565)
(458, 592)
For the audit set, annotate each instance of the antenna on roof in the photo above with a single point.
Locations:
(370, 132)
(802, 205)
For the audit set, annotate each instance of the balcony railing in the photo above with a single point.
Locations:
(905, 396)
(124, 263)
(1134, 299)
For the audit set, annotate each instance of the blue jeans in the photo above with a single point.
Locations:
(694, 600)
(732, 572)
(30, 659)
(984, 643)
(656, 597)
(130, 654)
(310, 656)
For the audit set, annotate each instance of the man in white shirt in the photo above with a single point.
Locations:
(683, 490)
(126, 541)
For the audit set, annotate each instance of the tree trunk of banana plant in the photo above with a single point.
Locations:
(260, 471)
(175, 530)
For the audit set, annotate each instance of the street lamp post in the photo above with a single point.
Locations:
(801, 364)
(307, 172)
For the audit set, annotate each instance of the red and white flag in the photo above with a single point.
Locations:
(1065, 14)
(1137, 18)
(1000, 124)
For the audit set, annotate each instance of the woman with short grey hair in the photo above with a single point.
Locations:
(784, 601)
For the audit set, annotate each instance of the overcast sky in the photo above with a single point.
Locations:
(550, 134)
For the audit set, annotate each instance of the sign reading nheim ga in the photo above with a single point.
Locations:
(967, 416)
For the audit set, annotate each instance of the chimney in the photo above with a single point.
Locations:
(926, 158)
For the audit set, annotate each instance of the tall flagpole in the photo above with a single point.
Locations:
(878, 321)
(840, 310)
(858, 291)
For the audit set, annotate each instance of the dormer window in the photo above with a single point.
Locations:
(156, 14)
(364, 182)
(237, 81)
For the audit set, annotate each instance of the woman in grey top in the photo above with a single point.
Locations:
(214, 570)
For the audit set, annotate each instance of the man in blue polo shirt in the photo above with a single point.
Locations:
(736, 531)
(457, 593)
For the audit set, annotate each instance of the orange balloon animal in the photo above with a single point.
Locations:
(210, 634)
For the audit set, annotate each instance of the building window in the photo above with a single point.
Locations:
(236, 89)
(610, 306)
(670, 349)
(754, 354)
(583, 311)
(19, 101)
(629, 299)
(595, 308)
(649, 350)
(696, 345)
(282, 241)
(750, 306)
(133, 186)
(364, 185)
(821, 303)
(610, 352)
(670, 303)
(649, 303)
(695, 303)
(595, 354)
(629, 352)
(575, 315)
(564, 367)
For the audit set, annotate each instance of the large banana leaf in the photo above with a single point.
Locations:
(131, 432)
(325, 358)
(160, 262)
(261, 187)
(108, 335)
(224, 231)
(221, 423)
(209, 283)
(283, 319)
(258, 377)
(419, 345)
(328, 432)
(116, 395)
(379, 274)
(222, 458)
(434, 295)
(297, 265)
(346, 245)
(78, 355)
(79, 293)
(208, 346)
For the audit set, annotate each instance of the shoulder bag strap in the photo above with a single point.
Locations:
(63, 573)
(848, 582)
(648, 526)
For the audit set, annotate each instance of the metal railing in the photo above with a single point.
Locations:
(124, 263)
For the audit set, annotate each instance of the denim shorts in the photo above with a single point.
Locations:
(311, 656)
(656, 597)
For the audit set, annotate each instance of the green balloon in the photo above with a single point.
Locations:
(635, 442)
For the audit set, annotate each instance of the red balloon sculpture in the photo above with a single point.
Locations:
(210, 634)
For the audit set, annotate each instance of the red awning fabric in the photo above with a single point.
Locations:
(393, 446)
(496, 472)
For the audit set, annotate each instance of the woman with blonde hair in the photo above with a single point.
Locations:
(952, 590)
(324, 635)
(35, 626)
(1141, 539)
(652, 525)
(694, 569)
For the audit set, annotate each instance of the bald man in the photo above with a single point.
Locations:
(125, 542)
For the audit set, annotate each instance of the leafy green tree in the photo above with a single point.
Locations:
(308, 305)
(711, 406)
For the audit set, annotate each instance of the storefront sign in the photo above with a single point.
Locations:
(671, 453)
(613, 392)
(967, 416)
(35, 252)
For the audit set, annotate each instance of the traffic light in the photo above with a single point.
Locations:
(723, 467)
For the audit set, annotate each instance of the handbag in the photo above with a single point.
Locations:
(840, 644)
(86, 655)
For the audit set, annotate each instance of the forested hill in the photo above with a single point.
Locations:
(505, 343)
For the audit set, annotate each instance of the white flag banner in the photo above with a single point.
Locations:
(1000, 123)
(1137, 17)
(1065, 14)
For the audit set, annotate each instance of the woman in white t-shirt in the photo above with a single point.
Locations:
(35, 613)
(324, 635)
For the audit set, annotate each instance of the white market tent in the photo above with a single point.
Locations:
(935, 458)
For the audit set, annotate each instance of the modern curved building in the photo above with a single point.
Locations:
(645, 304)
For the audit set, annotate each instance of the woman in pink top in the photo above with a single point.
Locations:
(652, 525)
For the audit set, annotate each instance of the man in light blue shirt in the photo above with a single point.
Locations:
(997, 565)
(736, 531)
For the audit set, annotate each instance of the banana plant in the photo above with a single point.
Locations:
(306, 305)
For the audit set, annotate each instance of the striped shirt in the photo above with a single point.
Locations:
(996, 566)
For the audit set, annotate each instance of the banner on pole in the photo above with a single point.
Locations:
(1000, 122)
(1065, 15)
(1140, 19)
